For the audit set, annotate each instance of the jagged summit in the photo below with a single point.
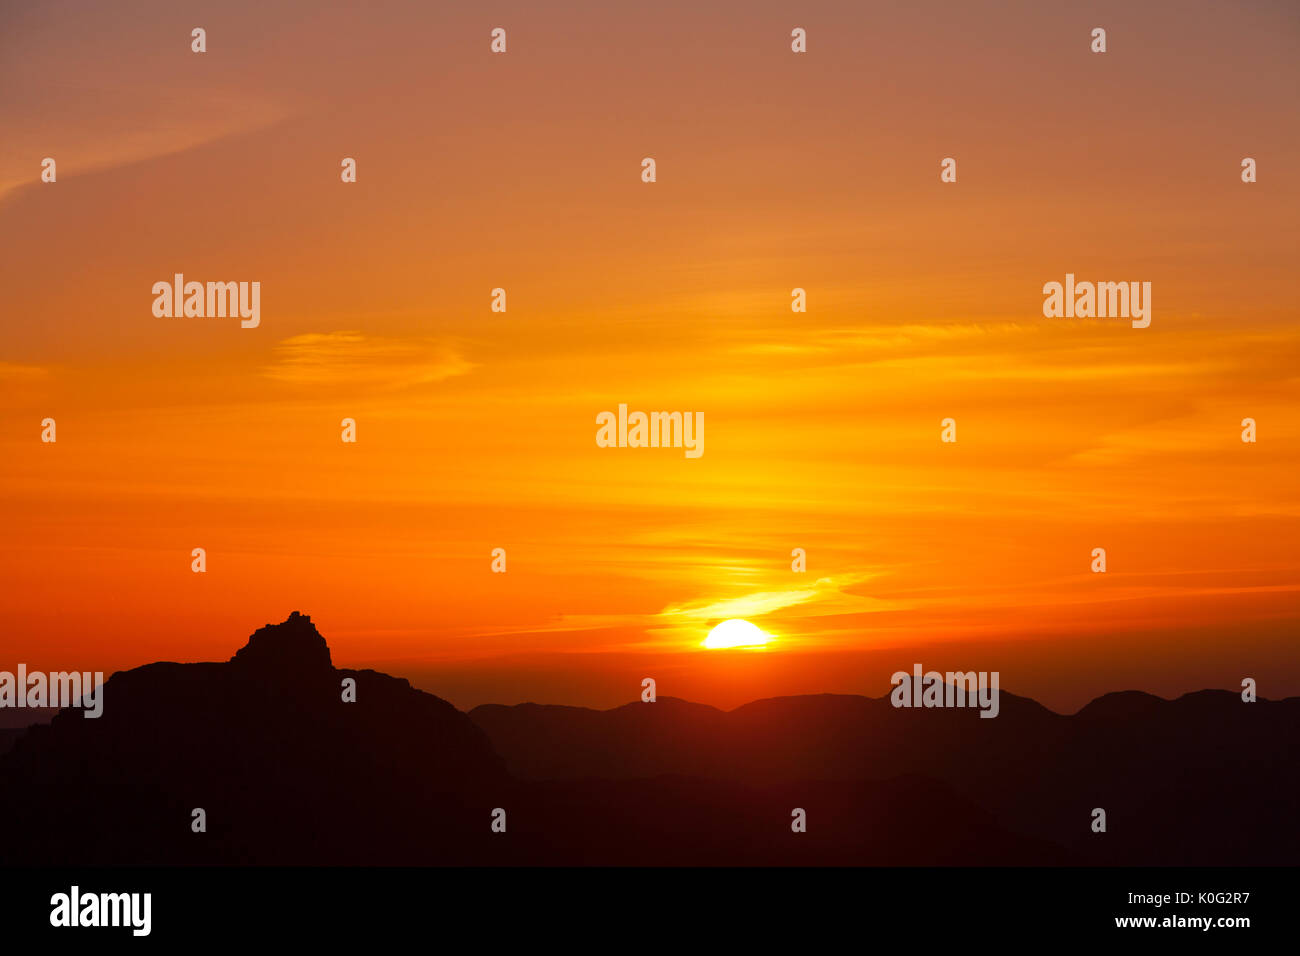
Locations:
(294, 644)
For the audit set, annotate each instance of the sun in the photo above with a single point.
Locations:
(736, 633)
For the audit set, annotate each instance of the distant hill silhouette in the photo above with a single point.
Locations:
(1204, 779)
(288, 772)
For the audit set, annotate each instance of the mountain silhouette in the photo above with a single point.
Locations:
(1201, 780)
(264, 744)
(289, 772)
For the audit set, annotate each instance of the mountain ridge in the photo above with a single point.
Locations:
(289, 772)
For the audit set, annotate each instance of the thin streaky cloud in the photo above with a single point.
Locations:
(351, 357)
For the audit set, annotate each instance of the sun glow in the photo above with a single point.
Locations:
(736, 633)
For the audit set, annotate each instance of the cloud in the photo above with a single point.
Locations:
(829, 593)
(13, 372)
(104, 140)
(352, 358)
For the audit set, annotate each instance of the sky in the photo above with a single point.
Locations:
(476, 429)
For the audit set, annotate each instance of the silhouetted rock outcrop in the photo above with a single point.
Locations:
(293, 647)
(285, 770)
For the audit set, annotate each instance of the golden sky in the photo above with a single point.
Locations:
(476, 429)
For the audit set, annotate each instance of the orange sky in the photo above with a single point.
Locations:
(476, 430)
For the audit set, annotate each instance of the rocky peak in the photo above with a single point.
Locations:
(292, 645)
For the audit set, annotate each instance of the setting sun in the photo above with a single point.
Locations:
(736, 633)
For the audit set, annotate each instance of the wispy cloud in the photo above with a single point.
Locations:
(104, 141)
(13, 372)
(830, 594)
(353, 358)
